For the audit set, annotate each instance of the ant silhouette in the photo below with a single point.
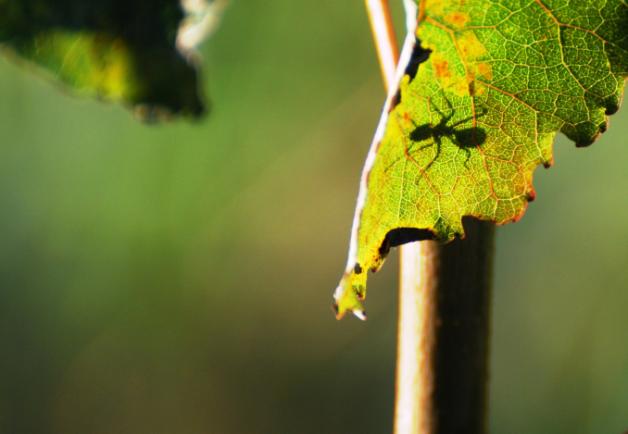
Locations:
(464, 138)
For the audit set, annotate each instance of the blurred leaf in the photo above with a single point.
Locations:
(501, 79)
(122, 51)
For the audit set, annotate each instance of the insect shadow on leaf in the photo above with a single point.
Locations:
(463, 138)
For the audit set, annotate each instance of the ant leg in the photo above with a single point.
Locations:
(406, 151)
(437, 143)
(481, 113)
(466, 161)
(444, 118)
(449, 105)
(465, 149)
(470, 118)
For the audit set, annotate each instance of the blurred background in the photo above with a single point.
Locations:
(177, 278)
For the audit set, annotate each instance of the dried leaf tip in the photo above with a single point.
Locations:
(348, 296)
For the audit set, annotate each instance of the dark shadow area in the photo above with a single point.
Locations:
(460, 356)
(147, 27)
(419, 55)
(400, 236)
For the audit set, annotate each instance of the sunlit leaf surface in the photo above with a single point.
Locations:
(502, 78)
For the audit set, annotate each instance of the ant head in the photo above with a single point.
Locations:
(421, 132)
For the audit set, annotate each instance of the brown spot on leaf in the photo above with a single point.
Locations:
(441, 68)
(485, 70)
(457, 19)
(472, 87)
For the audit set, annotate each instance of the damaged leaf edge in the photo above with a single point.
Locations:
(349, 296)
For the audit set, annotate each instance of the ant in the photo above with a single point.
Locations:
(463, 138)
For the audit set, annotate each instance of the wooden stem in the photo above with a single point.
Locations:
(443, 334)
(444, 310)
(384, 38)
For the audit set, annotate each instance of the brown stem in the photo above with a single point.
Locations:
(384, 38)
(444, 309)
(444, 316)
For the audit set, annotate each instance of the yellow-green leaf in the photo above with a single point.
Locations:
(464, 136)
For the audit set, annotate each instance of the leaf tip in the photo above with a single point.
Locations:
(349, 294)
(360, 314)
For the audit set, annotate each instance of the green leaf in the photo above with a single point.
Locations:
(464, 136)
(122, 51)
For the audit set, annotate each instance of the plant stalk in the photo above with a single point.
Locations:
(384, 38)
(444, 309)
(443, 334)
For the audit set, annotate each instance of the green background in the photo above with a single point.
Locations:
(178, 278)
